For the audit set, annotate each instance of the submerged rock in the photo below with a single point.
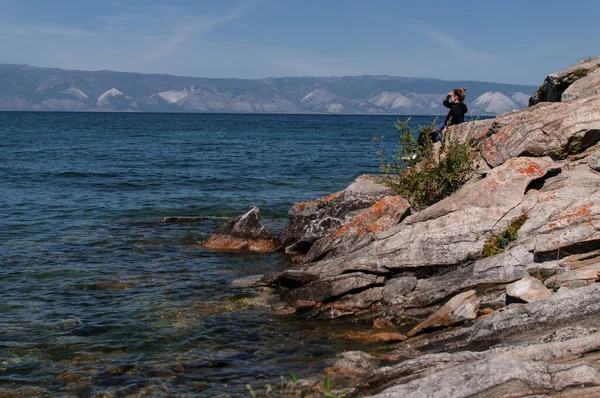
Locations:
(245, 232)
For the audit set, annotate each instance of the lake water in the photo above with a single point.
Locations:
(98, 297)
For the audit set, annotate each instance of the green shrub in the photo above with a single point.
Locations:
(495, 244)
(421, 174)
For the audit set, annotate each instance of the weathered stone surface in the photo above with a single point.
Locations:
(245, 232)
(456, 228)
(593, 160)
(581, 270)
(459, 309)
(581, 304)
(332, 287)
(361, 231)
(547, 129)
(557, 83)
(472, 132)
(555, 194)
(572, 229)
(528, 289)
(496, 270)
(309, 221)
(586, 86)
(351, 304)
(517, 371)
(352, 362)
(396, 289)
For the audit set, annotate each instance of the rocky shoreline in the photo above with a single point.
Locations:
(525, 322)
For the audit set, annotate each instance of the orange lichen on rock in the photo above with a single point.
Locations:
(531, 170)
(381, 216)
(226, 242)
(302, 205)
(579, 214)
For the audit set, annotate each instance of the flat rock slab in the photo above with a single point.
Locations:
(460, 308)
(528, 289)
(547, 129)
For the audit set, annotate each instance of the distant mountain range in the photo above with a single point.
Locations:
(27, 88)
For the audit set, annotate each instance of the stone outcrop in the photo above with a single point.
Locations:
(555, 84)
(371, 256)
(309, 221)
(245, 232)
(361, 231)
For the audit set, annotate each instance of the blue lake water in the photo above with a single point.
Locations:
(98, 297)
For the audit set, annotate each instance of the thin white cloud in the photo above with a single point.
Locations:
(446, 40)
(131, 41)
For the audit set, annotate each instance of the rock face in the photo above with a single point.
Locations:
(555, 85)
(309, 221)
(245, 232)
(361, 231)
(372, 256)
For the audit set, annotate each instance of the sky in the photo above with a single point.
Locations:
(506, 41)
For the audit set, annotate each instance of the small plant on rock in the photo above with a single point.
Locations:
(495, 244)
(422, 174)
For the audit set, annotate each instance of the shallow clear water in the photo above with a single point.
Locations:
(97, 296)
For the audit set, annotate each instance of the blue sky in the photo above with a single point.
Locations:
(500, 41)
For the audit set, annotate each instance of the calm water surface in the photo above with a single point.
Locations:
(98, 297)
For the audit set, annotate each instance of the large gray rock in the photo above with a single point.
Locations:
(557, 83)
(362, 230)
(309, 221)
(584, 87)
(455, 228)
(518, 371)
(547, 129)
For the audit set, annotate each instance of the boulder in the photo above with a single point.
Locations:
(528, 289)
(547, 129)
(460, 308)
(245, 232)
(309, 221)
(557, 83)
(361, 231)
(586, 86)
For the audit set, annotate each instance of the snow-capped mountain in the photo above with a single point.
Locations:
(24, 87)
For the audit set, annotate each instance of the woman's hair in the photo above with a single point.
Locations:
(460, 93)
